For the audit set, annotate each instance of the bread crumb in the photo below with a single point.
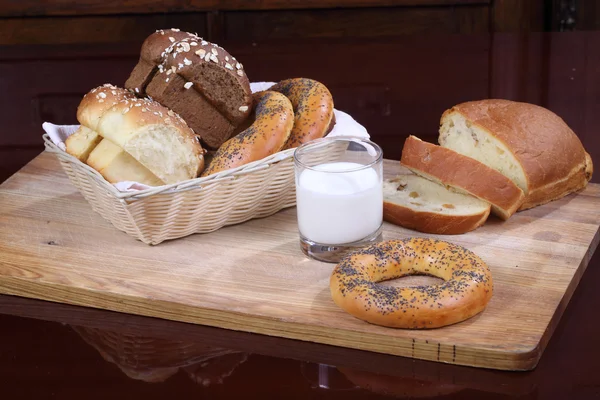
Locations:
(188, 85)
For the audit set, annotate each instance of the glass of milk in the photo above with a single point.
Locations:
(339, 196)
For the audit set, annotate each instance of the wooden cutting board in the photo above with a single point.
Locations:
(253, 277)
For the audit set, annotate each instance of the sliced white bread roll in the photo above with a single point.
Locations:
(420, 204)
(81, 143)
(92, 106)
(116, 165)
(97, 101)
(463, 174)
(529, 144)
(156, 137)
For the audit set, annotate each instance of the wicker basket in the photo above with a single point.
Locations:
(200, 205)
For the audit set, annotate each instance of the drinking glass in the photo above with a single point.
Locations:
(339, 196)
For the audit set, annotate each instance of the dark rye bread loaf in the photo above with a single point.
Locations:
(199, 80)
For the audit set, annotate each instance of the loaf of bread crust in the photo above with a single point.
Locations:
(417, 203)
(463, 174)
(528, 144)
(198, 80)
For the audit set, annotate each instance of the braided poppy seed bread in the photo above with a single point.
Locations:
(313, 109)
(199, 80)
(466, 291)
(273, 121)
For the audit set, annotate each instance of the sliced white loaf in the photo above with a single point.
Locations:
(463, 174)
(420, 204)
(528, 144)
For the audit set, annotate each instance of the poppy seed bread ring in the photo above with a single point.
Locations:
(273, 122)
(313, 108)
(466, 291)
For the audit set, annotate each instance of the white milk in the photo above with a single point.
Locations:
(339, 207)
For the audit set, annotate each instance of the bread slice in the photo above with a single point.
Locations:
(81, 143)
(529, 144)
(420, 204)
(116, 165)
(463, 174)
(154, 136)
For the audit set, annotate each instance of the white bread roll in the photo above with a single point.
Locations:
(97, 101)
(417, 203)
(90, 109)
(81, 143)
(529, 144)
(116, 165)
(154, 136)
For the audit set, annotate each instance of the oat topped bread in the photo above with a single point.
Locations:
(198, 80)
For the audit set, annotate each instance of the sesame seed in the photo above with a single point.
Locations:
(201, 52)
(185, 46)
(138, 104)
(194, 44)
(172, 39)
(243, 108)
(207, 58)
(238, 66)
(102, 95)
(169, 72)
(167, 80)
(126, 111)
(188, 85)
(240, 72)
(175, 29)
(162, 32)
(228, 66)
(171, 113)
(214, 58)
(187, 62)
(214, 51)
(173, 69)
(204, 43)
(179, 66)
(226, 58)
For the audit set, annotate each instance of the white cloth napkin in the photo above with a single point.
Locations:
(345, 125)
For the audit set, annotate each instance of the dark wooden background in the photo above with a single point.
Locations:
(395, 65)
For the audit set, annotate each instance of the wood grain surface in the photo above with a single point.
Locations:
(253, 277)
